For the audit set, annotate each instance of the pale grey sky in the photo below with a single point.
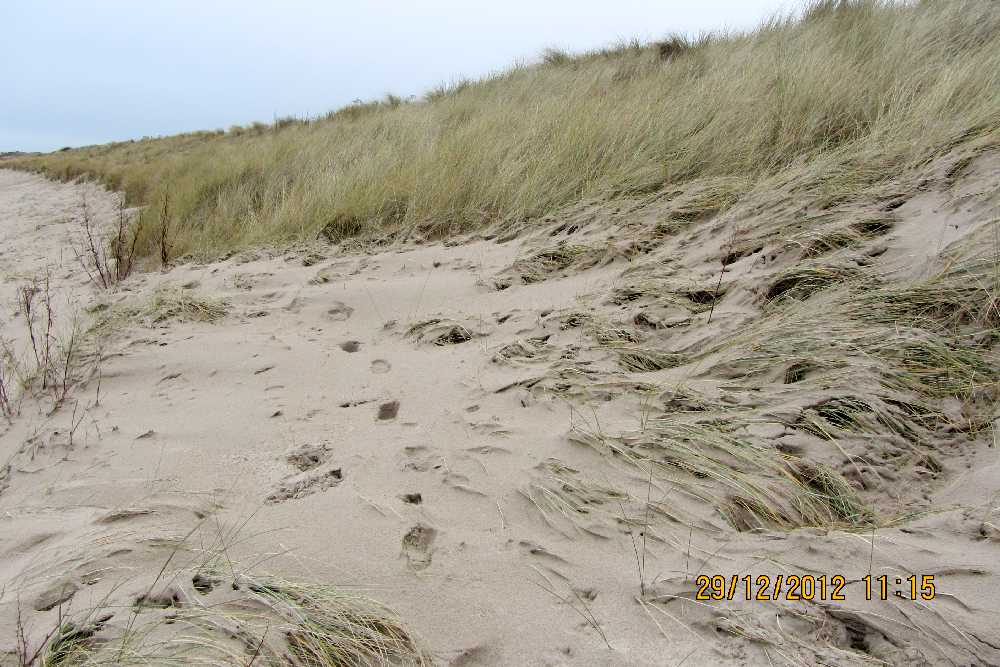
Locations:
(75, 73)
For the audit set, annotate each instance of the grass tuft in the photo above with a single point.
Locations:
(179, 304)
(803, 280)
(638, 360)
(259, 620)
(749, 483)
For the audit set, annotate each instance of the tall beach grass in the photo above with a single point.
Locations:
(856, 89)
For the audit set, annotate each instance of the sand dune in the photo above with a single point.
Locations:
(528, 446)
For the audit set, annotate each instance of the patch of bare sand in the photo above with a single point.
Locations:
(530, 449)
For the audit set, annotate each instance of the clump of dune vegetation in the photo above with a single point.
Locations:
(172, 303)
(167, 303)
(847, 95)
(57, 356)
(250, 620)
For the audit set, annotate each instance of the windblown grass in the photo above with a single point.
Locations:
(168, 303)
(851, 92)
(259, 620)
(888, 362)
(543, 263)
(749, 483)
(565, 498)
(637, 360)
(818, 240)
(520, 350)
(964, 293)
(180, 304)
(928, 336)
(804, 280)
(440, 332)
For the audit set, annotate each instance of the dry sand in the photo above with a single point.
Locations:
(312, 414)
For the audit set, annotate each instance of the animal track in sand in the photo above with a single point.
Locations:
(340, 312)
(380, 366)
(417, 546)
(350, 346)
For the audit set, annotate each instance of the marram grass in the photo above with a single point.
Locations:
(854, 90)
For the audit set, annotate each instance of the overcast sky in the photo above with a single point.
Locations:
(74, 73)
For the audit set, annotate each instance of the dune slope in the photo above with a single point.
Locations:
(528, 445)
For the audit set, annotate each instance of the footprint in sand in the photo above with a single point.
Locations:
(340, 312)
(350, 346)
(55, 595)
(165, 599)
(388, 410)
(205, 583)
(380, 366)
(306, 457)
(417, 546)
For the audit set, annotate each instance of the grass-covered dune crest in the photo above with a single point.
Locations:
(852, 91)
